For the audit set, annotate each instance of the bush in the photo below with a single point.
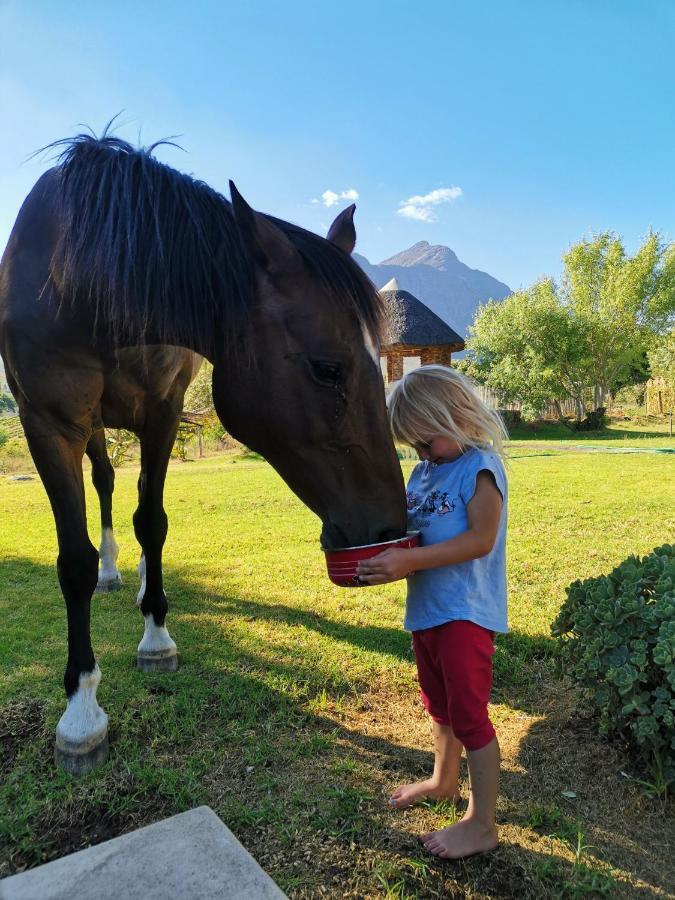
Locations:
(630, 398)
(7, 402)
(121, 445)
(512, 418)
(620, 646)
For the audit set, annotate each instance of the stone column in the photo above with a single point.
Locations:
(394, 366)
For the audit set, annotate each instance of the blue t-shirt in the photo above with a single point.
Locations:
(438, 494)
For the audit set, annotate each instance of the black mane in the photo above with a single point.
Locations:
(152, 251)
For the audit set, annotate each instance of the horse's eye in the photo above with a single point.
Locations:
(327, 373)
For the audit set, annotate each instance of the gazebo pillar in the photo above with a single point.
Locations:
(440, 356)
(394, 367)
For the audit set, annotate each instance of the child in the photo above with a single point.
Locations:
(456, 597)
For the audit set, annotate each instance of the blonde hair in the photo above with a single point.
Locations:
(436, 400)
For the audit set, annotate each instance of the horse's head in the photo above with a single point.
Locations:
(311, 400)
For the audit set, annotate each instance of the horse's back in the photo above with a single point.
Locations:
(53, 365)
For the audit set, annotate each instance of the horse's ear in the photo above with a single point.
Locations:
(342, 232)
(270, 247)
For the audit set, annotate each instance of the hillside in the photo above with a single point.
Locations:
(435, 275)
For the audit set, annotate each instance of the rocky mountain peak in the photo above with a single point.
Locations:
(424, 254)
(433, 274)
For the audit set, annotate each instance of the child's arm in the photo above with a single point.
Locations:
(483, 512)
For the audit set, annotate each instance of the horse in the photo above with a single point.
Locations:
(112, 252)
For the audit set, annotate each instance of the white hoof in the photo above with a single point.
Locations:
(156, 639)
(157, 652)
(82, 731)
(106, 585)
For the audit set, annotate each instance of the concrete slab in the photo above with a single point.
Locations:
(191, 856)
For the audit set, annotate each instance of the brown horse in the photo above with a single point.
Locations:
(113, 250)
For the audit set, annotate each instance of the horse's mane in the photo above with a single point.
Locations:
(152, 251)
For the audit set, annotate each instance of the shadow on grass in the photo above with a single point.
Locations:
(570, 785)
(252, 733)
(554, 432)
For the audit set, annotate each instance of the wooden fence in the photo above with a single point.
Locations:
(659, 398)
(568, 406)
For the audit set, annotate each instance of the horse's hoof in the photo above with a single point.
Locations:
(106, 585)
(78, 761)
(157, 660)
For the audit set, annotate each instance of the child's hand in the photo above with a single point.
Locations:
(392, 565)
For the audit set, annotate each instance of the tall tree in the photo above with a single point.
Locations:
(662, 359)
(580, 338)
(621, 303)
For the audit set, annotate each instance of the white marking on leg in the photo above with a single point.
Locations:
(141, 572)
(84, 724)
(108, 553)
(156, 639)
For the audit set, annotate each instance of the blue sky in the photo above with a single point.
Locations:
(506, 130)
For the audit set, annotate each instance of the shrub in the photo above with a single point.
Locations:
(619, 645)
(121, 445)
(7, 402)
(512, 418)
(630, 398)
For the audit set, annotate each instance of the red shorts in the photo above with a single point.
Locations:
(454, 667)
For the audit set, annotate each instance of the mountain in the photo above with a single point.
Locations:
(436, 277)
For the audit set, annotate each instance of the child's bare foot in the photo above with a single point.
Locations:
(407, 794)
(465, 838)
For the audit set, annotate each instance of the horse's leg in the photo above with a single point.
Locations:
(82, 731)
(156, 652)
(103, 476)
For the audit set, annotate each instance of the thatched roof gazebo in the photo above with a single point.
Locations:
(416, 335)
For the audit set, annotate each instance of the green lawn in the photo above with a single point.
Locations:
(294, 711)
(641, 432)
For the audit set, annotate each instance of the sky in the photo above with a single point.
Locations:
(504, 130)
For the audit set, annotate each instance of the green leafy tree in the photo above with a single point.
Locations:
(662, 359)
(7, 403)
(526, 348)
(622, 303)
(198, 397)
(582, 338)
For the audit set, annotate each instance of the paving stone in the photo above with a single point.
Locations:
(191, 856)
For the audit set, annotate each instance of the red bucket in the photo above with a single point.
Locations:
(342, 563)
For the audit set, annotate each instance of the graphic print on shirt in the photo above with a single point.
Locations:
(434, 503)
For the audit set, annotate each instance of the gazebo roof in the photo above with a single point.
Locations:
(412, 324)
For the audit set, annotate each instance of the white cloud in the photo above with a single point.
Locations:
(420, 207)
(330, 198)
(421, 213)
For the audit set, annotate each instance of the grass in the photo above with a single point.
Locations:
(647, 432)
(294, 712)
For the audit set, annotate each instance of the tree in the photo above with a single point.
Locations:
(526, 349)
(662, 360)
(198, 396)
(581, 338)
(622, 304)
(7, 403)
